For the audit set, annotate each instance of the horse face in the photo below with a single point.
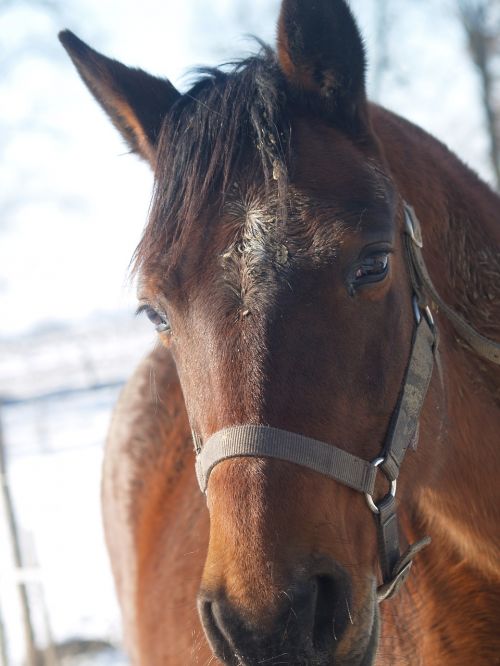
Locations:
(302, 323)
(285, 302)
(304, 327)
(298, 317)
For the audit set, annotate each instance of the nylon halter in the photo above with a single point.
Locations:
(350, 470)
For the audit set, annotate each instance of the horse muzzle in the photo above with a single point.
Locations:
(311, 626)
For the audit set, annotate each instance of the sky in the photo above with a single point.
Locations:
(73, 203)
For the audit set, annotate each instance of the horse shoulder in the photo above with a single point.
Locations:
(153, 510)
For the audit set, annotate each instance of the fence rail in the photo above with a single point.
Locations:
(40, 379)
(60, 360)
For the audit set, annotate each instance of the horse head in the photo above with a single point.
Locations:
(273, 267)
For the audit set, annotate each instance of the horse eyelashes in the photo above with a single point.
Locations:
(158, 319)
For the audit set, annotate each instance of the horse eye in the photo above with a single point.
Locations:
(372, 268)
(159, 320)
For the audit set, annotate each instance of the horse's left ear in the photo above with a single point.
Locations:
(136, 102)
(321, 53)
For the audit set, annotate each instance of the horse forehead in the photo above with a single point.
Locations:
(264, 229)
(257, 249)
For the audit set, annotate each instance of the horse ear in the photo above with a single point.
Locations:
(135, 101)
(321, 53)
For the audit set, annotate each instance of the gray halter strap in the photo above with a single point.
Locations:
(327, 459)
(261, 441)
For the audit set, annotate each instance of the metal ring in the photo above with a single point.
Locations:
(392, 492)
(416, 310)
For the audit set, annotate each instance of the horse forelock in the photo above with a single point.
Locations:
(229, 122)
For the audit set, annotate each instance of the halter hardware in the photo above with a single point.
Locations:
(413, 230)
(336, 463)
(417, 311)
(374, 508)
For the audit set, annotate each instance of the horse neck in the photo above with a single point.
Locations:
(460, 218)
(461, 228)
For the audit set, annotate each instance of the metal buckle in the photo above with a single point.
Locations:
(392, 492)
(413, 233)
(417, 311)
(430, 318)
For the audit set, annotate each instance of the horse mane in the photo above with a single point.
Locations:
(229, 120)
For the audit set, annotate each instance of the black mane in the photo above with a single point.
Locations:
(228, 121)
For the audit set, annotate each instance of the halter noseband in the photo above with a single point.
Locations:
(356, 473)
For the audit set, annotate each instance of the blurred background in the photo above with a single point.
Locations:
(72, 207)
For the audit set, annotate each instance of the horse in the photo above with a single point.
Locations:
(324, 277)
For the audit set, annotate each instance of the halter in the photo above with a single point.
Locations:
(333, 462)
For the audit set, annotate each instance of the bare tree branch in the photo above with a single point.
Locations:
(481, 22)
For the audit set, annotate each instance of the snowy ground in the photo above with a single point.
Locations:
(54, 447)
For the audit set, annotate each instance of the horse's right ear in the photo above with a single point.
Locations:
(322, 56)
(136, 102)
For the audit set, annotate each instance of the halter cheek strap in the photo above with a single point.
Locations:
(336, 463)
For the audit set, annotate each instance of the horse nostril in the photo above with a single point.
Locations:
(214, 633)
(332, 611)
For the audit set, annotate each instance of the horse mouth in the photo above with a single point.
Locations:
(317, 630)
(367, 659)
(310, 657)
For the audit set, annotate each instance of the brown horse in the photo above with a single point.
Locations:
(282, 269)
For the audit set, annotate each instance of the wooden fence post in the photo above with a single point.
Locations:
(29, 634)
(4, 658)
